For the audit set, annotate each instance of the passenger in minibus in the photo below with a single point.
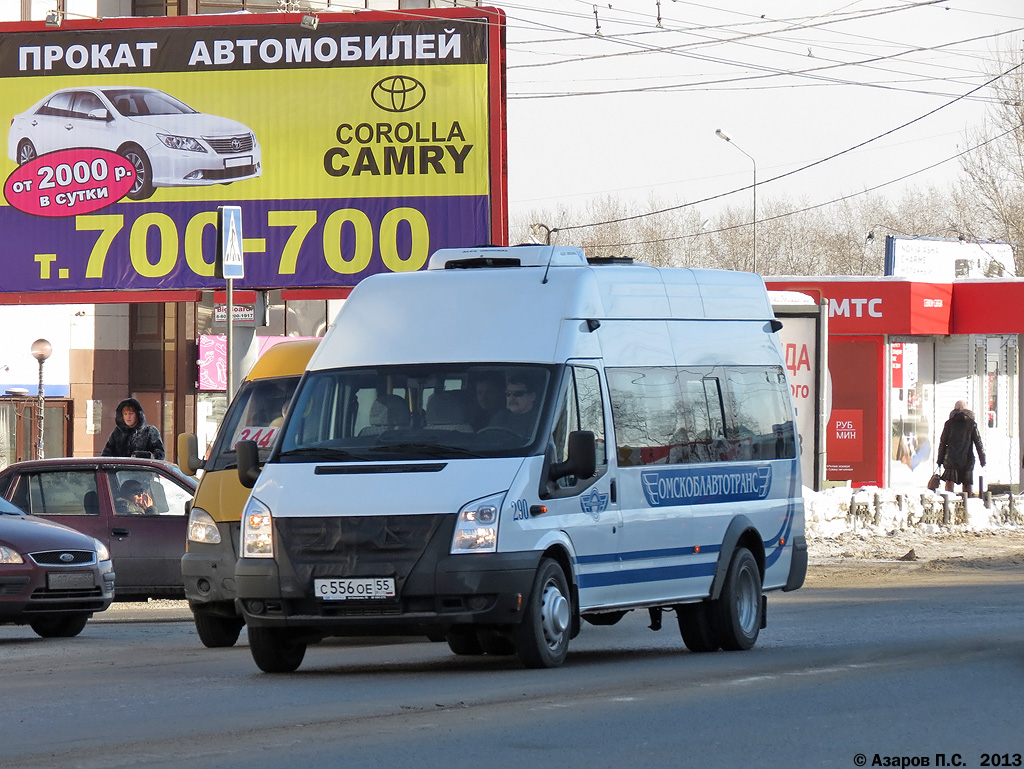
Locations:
(488, 397)
(520, 414)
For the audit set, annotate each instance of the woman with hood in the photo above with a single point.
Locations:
(956, 448)
(131, 436)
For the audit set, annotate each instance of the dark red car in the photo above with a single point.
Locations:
(144, 532)
(52, 578)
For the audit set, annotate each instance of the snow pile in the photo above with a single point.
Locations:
(870, 510)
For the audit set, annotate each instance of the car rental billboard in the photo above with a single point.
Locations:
(358, 147)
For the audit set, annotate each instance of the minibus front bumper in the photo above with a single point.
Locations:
(482, 589)
(208, 572)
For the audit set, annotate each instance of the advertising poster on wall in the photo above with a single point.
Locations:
(854, 426)
(799, 337)
(359, 147)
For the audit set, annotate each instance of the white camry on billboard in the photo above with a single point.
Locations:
(167, 142)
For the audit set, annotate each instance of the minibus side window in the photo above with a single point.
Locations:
(718, 446)
(591, 408)
(760, 423)
(648, 413)
(697, 425)
(581, 409)
(666, 415)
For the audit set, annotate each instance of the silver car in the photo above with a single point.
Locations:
(167, 142)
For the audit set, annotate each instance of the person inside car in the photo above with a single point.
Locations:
(134, 499)
(520, 413)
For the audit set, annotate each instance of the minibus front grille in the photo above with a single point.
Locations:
(339, 609)
(360, 546)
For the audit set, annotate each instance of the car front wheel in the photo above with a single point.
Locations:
(59, 627)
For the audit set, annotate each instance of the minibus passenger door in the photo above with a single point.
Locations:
(583, 500)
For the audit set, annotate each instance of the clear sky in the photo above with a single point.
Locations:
(632, 111)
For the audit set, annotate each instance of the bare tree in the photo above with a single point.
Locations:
(793, 237)
(993, 187)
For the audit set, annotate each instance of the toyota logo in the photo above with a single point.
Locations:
(236, 145)
(398, 93)
(67, 557)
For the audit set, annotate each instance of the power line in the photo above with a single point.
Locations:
(767, 72)
(806, 208)
(804, 167)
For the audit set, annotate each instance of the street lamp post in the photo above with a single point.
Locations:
(724, 136)
(540, 230)
(41, 350)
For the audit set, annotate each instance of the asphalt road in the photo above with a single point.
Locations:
(899, 672)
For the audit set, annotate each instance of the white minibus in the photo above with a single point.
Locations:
(516, 441)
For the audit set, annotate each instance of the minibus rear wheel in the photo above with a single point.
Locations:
(736, 615)
(695, 627)
(276, 650)
(542, 638)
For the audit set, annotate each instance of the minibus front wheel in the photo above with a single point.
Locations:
(217, 632)
(542, 638)
(276, 650)
(464, 641)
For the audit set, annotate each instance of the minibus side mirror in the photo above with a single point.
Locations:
(248, 455)
(582, 459)
(188, 454)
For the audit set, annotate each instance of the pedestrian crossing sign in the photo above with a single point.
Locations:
(230, 264)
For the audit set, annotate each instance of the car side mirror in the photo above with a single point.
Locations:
(248, 454)
(582, 457)
(188, 454)
(99, 114)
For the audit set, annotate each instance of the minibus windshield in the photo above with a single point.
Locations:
(421, 411)
(256, 414)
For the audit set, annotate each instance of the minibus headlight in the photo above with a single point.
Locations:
(202, 527)
(257, 531)
(476, 530)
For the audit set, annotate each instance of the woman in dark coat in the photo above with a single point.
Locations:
(131, 435)
(956, 448)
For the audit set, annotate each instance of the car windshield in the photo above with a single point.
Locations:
(436, 411)
(255, 414)
(133, 102)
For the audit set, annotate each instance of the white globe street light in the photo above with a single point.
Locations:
(41, 350)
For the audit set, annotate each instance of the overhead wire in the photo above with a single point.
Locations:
(805, 209)
(767, 72)
(776, 72)
(806, 166)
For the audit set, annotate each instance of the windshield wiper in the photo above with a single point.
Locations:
(432, 450)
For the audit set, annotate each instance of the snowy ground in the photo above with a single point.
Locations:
(893, 536)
